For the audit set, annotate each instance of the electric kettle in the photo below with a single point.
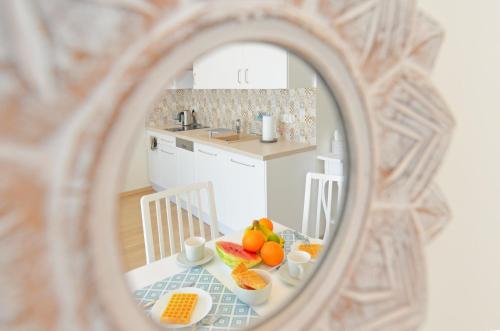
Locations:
(185, 118)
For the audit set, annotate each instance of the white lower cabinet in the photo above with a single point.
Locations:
(162, 161)
(168, 159)
(245, 188)
(246, 191)
(209, 165)
(169, 165)
(155, 171)
(239, 185)
(185, 167)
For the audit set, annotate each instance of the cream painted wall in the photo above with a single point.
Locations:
(301, 74)
(464, 261)
(137, 172)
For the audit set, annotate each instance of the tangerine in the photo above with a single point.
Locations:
(272, 253)
(253, 241)
(266, 222)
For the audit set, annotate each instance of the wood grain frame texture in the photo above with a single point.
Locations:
(71, 73)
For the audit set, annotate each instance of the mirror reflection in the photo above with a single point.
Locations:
(233, 190)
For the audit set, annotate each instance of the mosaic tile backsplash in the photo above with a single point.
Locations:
(294, 110)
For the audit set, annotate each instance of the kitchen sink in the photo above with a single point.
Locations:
(216, 131)
(235, 137)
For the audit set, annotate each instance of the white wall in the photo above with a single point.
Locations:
(301, 74)
(327, 118)
(464, 261)
(137, 172)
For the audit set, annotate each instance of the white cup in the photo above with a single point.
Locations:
(194, 248)
(298, 261)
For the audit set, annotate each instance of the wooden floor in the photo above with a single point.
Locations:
(130, 229)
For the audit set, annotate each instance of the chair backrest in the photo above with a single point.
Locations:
(326, 184)
(182, 196)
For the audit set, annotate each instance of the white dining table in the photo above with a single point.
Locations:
(146, 275)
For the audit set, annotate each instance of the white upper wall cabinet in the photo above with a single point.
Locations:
(220, 69)
(242, 66)
(266, 66)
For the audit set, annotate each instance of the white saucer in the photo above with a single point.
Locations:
(285, 276)
(201, 310)
(184, 262)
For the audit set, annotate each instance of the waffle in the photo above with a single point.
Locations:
(179, 308)
(247, 279)
(239, 269)
(312, 249)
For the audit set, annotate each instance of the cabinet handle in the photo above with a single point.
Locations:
(207, 153)
(246, 76)
(243, 164)
(239, 71)
(164, 151)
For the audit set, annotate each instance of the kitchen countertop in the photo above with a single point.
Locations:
(251, 148)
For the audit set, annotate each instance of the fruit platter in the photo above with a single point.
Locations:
(253, 266)
(258, 245)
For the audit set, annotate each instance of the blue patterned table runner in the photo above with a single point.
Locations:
(235, 313)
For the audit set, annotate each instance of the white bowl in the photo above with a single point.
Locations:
(255, 297)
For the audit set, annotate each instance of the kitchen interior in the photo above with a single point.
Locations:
(240, 163)
(253, 119)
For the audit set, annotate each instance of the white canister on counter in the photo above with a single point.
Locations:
(267, 128)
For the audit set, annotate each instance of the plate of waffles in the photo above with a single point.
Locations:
(312, 246)
(182, 307)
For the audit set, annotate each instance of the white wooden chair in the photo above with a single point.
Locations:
(326, 185)
(183, 196)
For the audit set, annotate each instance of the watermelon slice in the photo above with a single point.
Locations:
(233, 254)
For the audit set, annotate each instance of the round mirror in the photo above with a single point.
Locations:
(162, 156)
(234, 189)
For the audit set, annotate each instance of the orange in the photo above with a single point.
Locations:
(267, 223)
(272, 253)
(253, 241)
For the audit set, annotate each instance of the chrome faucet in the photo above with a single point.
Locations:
(238, 126)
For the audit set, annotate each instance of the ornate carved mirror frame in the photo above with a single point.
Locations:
(77, 79)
